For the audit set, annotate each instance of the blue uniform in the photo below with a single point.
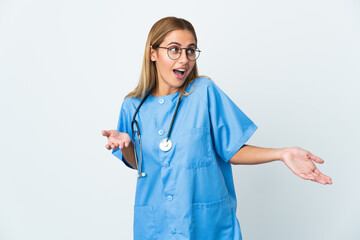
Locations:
(188, 192)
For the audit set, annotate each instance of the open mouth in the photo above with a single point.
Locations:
(179, 73)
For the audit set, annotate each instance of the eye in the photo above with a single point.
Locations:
(174, 49)
(191, 51)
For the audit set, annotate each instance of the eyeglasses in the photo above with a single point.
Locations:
(174, 52)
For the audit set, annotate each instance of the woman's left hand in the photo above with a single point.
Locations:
(301, 163)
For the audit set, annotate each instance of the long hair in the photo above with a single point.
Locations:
(157, 34)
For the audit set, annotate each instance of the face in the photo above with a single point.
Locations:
(169, 79)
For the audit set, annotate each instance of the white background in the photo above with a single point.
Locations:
(65, 66)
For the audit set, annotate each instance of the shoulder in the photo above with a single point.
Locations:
(199, 83)
(129, 104)
(202, 87)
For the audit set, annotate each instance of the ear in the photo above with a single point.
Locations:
(153, 54)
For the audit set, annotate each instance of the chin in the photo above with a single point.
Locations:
(179, 82)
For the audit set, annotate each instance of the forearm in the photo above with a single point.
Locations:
(256, 155)
(128, 153)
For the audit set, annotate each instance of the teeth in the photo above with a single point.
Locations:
(182, 70)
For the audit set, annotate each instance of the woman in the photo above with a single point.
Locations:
(182, 133)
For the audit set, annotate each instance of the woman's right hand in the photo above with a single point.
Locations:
(116, 139)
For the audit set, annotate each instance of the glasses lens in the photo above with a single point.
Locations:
(192, 54)
(174, 52)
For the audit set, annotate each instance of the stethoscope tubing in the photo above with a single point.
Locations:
(139, 166)
(165, 141)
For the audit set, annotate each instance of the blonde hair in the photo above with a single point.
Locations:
(157, 34)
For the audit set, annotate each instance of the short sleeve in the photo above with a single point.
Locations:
(124, 125)
(230, 127)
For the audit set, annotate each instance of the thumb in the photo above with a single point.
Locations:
(105, 133)
(315, 158)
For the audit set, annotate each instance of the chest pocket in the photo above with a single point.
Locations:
(194, 147)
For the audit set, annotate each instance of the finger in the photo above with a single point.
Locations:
(327, 180)
(121, 145)
(321, 178)
(322, 175)
(105, 133)
(313, 177)
(324, 181)
(330, 181)
(315, 158)
(108, 147)
(116, 145)
(306, 176)
(127, 143)
(318, 178)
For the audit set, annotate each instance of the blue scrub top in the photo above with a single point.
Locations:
(188, 192)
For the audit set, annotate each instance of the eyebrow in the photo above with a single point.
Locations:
(191, 44)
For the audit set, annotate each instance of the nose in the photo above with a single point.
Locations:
(183, 58)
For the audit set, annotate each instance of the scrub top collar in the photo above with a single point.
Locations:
(171, 97)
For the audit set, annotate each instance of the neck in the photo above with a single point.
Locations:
(163, 91)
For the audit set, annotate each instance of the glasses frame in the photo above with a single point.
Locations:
(196, 49)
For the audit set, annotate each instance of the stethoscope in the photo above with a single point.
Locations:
(164, 145)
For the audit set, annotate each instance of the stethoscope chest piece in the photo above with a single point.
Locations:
(165, 145)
